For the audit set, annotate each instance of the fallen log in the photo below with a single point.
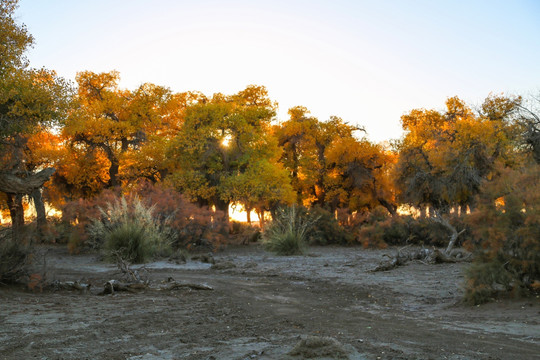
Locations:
(175, 286)
(113, 286)
(70, 285)
(425, 256)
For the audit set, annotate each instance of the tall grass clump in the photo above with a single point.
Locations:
(129, 229)
(288, 233)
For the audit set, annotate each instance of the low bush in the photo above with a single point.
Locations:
(244, 233)
(288, 233)
(14, 258)
(191, 226)
(129, 229)
(326, 230)
(506, 237)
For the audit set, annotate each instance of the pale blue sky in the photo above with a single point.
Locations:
(368, 62)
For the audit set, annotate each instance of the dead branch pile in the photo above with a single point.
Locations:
(425, 256)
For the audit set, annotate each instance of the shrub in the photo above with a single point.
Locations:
(77, 216)
(506, 230)
(326, 230)
(288, 233)
(244, 233)
(372, 236)
(191, 225)
(130, 230)
(485, 280)
(14, 258)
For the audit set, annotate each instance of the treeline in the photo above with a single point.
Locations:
(473, 172)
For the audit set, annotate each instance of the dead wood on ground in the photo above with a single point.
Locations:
(425, 256)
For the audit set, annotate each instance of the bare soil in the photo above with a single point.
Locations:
(264, 306)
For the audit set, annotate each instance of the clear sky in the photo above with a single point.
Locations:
(368, 62)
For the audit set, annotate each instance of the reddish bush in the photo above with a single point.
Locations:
(195, 226)
(192, 225)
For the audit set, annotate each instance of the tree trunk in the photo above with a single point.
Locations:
(16, 212)
(223, 206)
(113, 173)
(260, 214)
(454, 233)
(41, 216)
(392, 208)
(248, 215)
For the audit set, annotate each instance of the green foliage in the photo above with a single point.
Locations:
(130, 230)
(14, 38)
(288, 233)
(485, 280)
(220, 140)
(13, 258)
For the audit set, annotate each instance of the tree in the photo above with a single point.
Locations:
(445, 157)
(506, 226)
(296, 137)
(264, 186)
(358, 175)
(30, 101)
(529, 122)
(218, 141)
(115, 124)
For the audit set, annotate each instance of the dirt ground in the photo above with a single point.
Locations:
(264, 306)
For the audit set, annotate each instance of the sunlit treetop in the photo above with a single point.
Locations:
(14, 38)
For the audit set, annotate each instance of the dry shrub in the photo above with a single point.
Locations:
(378, 229)
(288, 233)
(77, 216)
(244, 233)
(506, 230)
(192, 226)
(327, 229)
(129, 229)
(14, 258)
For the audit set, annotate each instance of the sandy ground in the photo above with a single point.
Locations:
(262, 307)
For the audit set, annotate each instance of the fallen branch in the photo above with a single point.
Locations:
(175, 286)
(425, 256)
(113, 286)
(70, 285)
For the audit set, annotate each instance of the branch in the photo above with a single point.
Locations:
(12, 184)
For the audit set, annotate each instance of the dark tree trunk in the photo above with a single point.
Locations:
(223, 206)
(392, 208)
(16, 212)
(41, 216)
(260, 214)
(113, 173)
(248, 214)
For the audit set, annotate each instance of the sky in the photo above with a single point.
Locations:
(368, 62)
